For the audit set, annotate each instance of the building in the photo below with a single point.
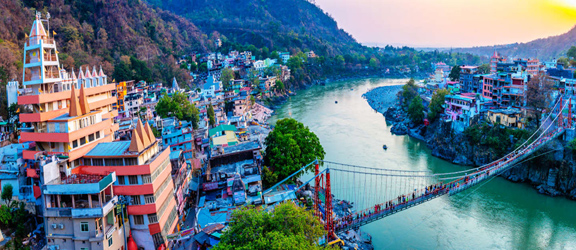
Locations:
(511, 117)
(143, 171)
(121, 91)
(179, 137)
(181, 176)
(80, 212)
(494, 60)
(533, 66)
(285, 56)
(70, 121)
(460, 109)
(467, 74)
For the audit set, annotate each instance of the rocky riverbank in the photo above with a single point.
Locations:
(552, 171)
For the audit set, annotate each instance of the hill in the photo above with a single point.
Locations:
(293, 25)
(94, 32)
(543, 48)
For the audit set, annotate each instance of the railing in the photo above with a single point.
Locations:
(36, 40)
(51, 58)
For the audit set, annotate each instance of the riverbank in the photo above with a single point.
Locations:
(552, 173)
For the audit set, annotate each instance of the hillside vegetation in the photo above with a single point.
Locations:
(543, 48)
(98, 32)
(290, 25)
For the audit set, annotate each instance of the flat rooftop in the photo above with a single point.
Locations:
(116, 148)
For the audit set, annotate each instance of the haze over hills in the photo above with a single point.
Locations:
(279, 24)
(543, 48)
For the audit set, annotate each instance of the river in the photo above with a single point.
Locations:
(498, 215)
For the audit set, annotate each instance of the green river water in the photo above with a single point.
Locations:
(498, 215)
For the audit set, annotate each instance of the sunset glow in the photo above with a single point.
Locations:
(451, 23)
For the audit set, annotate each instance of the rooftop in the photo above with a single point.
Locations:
(116, 148)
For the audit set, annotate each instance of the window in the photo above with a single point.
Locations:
(52, 145)
(135, 199)
(75, 144)
(131, 161)
(146, 179)
(84, 226)
(138, 220)
(149, 199)
(91, 137)
(133, 179)
(121, 180)
(97, 134)
(82, 141)
(152, 218)
(110, 242)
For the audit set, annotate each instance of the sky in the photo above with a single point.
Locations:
(451, 23)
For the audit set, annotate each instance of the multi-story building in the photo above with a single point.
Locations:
(533, 66)
(61, 122)
(494, 60)
(181, 175)
(121, 90)
(70, 120)
(80, 212)
(143, 171)
(467, 74)
(179, 136)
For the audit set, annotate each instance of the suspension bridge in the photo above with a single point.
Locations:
(399, 190)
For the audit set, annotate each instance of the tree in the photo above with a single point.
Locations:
(178, 106)
(539, 94)
(435, 108)
(288, 226)
(252, 99)
(563, 61)
(290, 146)
(211, 115)
(5, 216)
(455, 73)
(226, 76)
(409, 90)
(7, 194)
(416, 110)
(571, 52)
(374, 63)
(279, 86)
(484, 68)
(13, 116)
(269, 178)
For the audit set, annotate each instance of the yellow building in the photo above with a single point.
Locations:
(510, 117)
(121, 90)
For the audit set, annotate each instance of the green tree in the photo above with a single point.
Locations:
(269, 178)
(416, 110)
(211, 115)
(483, 69)
(409, 90)
(13, 116)
(564, 61)
(288, 226)
(178, 106)
(193, 65)
(226, 76)
(7, 194)
(374, 63)
(571, 52)
(455, 73)
(290, 146)
(122, 72)
(252, 99)
(203, 67)
(435, 108)
(279, 86)
(5, 216)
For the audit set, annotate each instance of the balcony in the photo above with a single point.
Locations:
(42, 116)
(32, 41)
(95, 211)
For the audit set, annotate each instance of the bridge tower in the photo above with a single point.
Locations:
(329, 221)
(570, 112)
(560, 118)
(317, 190)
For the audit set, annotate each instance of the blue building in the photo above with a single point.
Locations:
(179, 136)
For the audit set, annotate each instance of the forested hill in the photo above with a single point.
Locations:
(276, 24)
(94, 32)
(543, 48)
